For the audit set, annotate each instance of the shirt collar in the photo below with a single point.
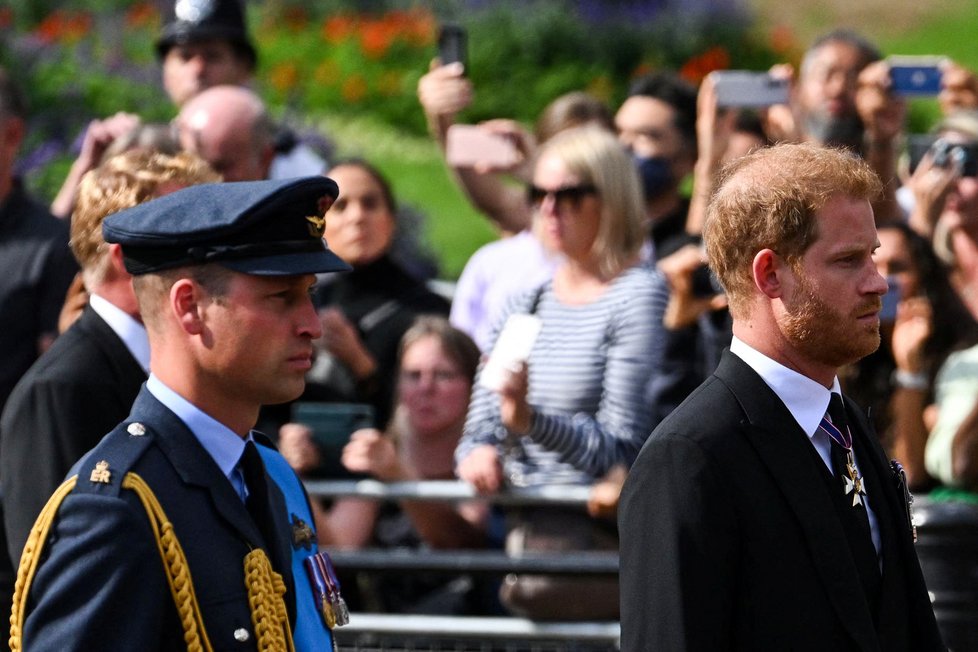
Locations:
(131, 332)
(220, 442)
(806, 399)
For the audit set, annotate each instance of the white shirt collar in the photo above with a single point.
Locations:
(131, 332)
(220, 442)
(806, 399)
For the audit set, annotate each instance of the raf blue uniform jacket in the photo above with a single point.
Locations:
(101, 586)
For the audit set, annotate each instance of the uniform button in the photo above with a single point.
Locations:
(136, 429)
(241, 634)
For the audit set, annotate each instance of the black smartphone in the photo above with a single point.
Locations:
(453, 44)
(332, 424)
(704, 285)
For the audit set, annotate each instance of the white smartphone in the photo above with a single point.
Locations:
(468, 145)
(513, 346)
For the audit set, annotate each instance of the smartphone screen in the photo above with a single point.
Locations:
(915, 76)
(890, 301)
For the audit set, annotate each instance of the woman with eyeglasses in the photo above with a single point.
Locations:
(575, 409)
(437, 363)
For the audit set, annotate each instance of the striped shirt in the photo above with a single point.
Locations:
(588, 372)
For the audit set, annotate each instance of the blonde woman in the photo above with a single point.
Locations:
(576, 408)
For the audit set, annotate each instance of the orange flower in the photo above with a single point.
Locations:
(283, 76)
(420, 28)
(6, 17)
(377, 36)
(142, 14)
(354, 88)
(64, 26)
(338, 27)
(698, 67)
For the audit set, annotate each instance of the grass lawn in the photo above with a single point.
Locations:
(454, 230)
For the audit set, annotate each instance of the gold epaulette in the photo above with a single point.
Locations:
(265, 586)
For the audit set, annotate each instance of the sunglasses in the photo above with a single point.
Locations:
(566, 195)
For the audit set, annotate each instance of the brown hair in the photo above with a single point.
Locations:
(572, 109)
(121, 182)
(455, 343)
(768, 200)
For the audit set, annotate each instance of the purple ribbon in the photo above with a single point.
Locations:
(843, 439)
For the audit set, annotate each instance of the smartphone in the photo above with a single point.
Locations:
(748, 88)
(332, 424)
(468, 145)
(917, 146)
(513, 346)
(453, 45)
(704, 285)
(890, 301)
(913, 76)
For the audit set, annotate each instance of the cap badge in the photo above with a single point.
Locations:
(101, 473)
(317, 225)
(193, 11)
(136, 429)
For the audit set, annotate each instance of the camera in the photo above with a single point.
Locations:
(965, 156)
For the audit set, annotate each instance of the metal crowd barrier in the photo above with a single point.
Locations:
(450, 491)
(370, 632)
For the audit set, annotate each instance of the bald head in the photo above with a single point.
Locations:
(229, 127)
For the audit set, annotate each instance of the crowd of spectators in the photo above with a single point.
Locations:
(599, 245)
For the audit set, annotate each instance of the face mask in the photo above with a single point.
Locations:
(655, 173)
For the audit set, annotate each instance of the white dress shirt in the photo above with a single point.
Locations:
(223, 445)
(807, 401)
(131, 332)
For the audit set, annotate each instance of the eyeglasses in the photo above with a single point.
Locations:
(563, 196)
(439, 376)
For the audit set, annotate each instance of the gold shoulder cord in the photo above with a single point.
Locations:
(265, 586)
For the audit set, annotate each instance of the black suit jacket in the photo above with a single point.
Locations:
(730, 541)
(74, 394)
(101, 584)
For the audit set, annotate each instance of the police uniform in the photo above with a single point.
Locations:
(162, 485)
(191, 21)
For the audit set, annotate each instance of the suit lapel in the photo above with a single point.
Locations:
(781, 446)
(195, 466)
(893, 628)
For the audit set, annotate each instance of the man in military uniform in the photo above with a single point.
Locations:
(222, 273)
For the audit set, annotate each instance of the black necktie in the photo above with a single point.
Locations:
(257, 501)
(854, 518)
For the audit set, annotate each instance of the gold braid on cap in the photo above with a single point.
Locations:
(265, 586)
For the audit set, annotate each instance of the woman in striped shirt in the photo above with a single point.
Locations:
(576, 408)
